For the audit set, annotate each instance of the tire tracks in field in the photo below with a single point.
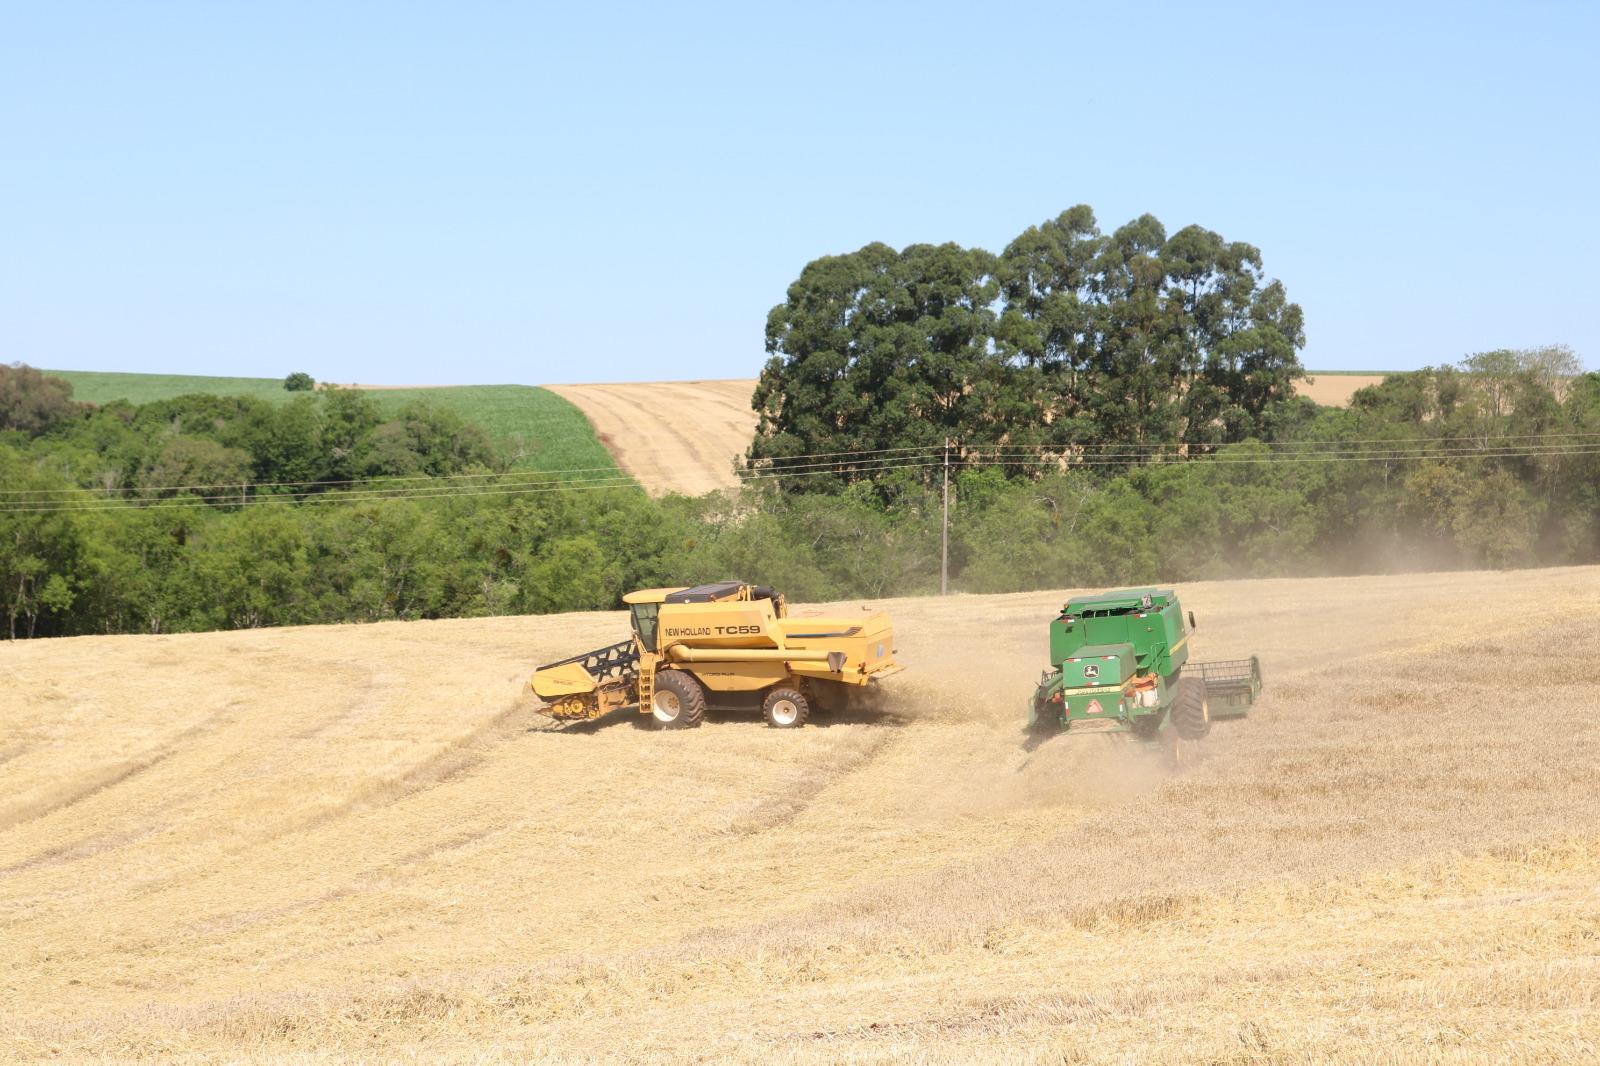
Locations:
(400, 868)
(460, 758)
(99, 843)
(455, 760)
(16, 751)
(73, 850)
(447, 764)
(775, 812)
(368, 705)
(108, 776)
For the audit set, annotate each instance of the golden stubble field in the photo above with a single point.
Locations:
(672, 436)
(347, 842)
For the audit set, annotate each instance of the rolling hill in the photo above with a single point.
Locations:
(534, 427)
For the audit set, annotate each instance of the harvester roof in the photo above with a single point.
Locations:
(711, 593)
(650, 595)
(714, 592)
(1120, 600)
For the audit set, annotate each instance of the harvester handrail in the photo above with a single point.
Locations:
(1226, 670)
(613, 654)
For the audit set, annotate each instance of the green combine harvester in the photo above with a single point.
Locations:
(1120, 663)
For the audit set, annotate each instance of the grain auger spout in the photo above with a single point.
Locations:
(728, 645)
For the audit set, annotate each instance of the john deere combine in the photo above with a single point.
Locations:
(1120, 663)
(726, 645)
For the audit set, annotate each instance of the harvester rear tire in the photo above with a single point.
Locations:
(1191, 717)
(678, 702)
(785, 708)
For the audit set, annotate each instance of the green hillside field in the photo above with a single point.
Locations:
(534, 427)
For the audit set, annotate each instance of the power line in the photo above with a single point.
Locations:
(380, 496)
(429, 491)
(1215, 460)
(1117, 459)
(233, 496)
(1290, 443)
(233, 489)
(425, 492)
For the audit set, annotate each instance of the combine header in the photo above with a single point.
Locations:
(1120, 663)
(728, 645)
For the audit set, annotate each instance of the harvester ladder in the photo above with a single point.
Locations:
(647, 685)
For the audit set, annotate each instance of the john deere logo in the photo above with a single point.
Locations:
(1091, 670)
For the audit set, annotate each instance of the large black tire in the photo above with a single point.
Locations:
(678, 701)
(1191, 717)
(785, 708)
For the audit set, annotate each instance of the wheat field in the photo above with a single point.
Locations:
(362, 843)
(672, 436)
(1335, 389)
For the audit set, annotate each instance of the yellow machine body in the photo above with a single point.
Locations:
(736, 640)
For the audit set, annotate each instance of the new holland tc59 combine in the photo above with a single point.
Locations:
(727, 645)
(1120, 663)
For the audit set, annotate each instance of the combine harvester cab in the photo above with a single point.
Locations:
(729, 645)
(1120, 663)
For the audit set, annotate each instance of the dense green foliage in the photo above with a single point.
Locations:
(1068, 338)
(1448, 467)
(299, 381)
(31, 402)
(532, 428)
(207, 446)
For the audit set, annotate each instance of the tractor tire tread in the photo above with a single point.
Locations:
(691, 697)
(794, 696)
(1189, 717)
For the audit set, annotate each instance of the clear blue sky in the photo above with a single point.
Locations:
(505, 192)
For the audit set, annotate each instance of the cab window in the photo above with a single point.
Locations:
(644, 623)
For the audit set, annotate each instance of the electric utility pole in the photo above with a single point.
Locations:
(944, 529)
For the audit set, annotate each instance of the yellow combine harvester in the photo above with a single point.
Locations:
(729, 646)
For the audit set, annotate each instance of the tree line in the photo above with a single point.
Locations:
(1493, 463)
(1069, 338)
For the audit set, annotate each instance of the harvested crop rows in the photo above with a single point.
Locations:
(672, 436)
(359, 842)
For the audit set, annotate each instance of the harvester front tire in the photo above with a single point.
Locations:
(1191, 717)
(678, 701)
(785, 708)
